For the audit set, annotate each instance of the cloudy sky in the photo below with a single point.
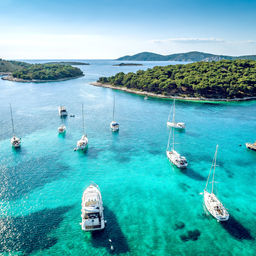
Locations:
(106, 29)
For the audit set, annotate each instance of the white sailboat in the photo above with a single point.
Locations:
(173, 156)
(82, 144)
(114, 126)
(212, 203)
(62, 111)
(15, 141)
(172, 123)
(62, 129)
(92, 209)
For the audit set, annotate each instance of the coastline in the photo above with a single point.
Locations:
(13, 79)
(161, 96)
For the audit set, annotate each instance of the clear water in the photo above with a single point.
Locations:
(150, 206)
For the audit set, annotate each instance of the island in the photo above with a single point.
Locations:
(25, 72)
(74, 63)
(225, 80)
(185, 57)
(128, 64)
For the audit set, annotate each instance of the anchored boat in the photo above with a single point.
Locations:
(92, 209)
(82, 144)
(212, 203)
(114, 126)
(173, 156)
(62, 129)
(251, 146)
(15, 141)
(62, 111)
(172, 123)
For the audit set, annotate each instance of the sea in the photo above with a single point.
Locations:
(151, 207)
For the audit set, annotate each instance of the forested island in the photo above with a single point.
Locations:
(25, 72)
(75, 63)
(187, 56)
(127, 64)
(221, 80)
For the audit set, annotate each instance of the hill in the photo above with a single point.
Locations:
(8, 66)
(225, 79)
(188, 56)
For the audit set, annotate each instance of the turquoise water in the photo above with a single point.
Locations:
(151, 207)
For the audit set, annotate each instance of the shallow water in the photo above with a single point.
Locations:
(151, 207)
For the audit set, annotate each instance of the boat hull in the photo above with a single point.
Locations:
(176, 125)
(15, 142)
(215, 207)
(114, 127)
(82, 144)
(176, 160)
(92, 209)
(251, 146)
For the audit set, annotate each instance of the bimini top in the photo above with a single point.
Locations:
(91, 199)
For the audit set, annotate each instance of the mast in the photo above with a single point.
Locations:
(169, 140)
(12, 120)
(173, 114)
(83, 117)
(113, 109)
(215, 158)
(173, 139)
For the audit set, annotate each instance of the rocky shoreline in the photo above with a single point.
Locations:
(13, 79)
(170, 97)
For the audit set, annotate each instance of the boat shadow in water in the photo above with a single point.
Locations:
(31, 232)
(236, 229)
(192, 174)
(111, 232)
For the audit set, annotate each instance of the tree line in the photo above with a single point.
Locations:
(216, 79)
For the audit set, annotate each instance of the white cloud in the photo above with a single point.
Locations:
(190, 40)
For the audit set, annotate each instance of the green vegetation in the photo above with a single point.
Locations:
(75, 63)
(188, 56)
(222, 79)
(11, 65)
(128, 64)
(47, 72)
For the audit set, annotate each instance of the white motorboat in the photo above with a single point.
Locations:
(62, 111)
(82, 144)
(212, 203)
(15, 141)
(172, 123)
(173, 156)
(62, 129)
(251, 146)
(114, 126)
(92, 209)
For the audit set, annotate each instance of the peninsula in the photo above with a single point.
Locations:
(186, 57)
(25, 72)
(225, 80)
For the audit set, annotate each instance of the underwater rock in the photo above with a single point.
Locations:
(179, 225)
(191, 235)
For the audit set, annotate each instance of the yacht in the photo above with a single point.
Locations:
(173, 156)
(62, 111)
(82, 144)
(172, 123)
(212, 203)
(92, 209)
(251, 146)
(62, 129)
(15, 141)
(114, 126)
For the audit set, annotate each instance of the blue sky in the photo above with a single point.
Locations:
(109, 28)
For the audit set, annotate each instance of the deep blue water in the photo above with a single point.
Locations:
(151, 207)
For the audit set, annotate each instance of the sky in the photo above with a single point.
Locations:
(108, 29)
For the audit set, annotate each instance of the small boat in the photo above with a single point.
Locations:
(212, 203)
(251, 146)
(92, 209)
(15, 141)
(172, 123)
(62, 111)
(114, 126)
(82, 144)
(173, 156)
(62, 129)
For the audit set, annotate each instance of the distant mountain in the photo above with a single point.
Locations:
(188, 56)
